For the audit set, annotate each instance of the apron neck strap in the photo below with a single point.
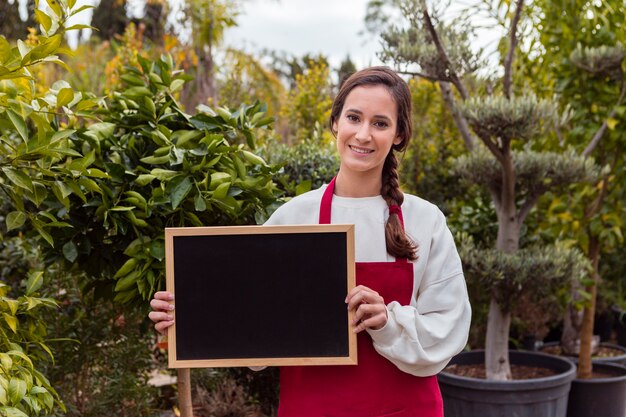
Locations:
(327, 201)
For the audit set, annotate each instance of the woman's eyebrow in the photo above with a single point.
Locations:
(376, 116)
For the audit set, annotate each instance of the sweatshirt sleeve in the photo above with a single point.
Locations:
(421, 338)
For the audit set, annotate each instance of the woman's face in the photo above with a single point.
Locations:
(366, 129)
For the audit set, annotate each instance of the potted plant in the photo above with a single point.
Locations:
(588, 71)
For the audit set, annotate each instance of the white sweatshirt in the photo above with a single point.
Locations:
(419, 338)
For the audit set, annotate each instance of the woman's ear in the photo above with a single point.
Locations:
(397, 140)
(334, 127)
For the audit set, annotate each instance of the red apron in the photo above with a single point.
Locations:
(375, 387)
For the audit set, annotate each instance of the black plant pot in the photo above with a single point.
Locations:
(539, 397)
(599, 397)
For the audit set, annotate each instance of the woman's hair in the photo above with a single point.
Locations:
(398, 243)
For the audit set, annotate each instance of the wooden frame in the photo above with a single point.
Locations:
(203, 334)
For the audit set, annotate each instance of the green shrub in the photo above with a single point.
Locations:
(305, 166)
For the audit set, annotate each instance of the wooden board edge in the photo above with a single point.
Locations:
(228, 363)
(350, 250)
(169, 286)
(245, 230)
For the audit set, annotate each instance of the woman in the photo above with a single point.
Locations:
(410, 304)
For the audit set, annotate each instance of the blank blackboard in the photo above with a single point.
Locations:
(260, 295)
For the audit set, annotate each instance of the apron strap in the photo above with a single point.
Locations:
(326, 205)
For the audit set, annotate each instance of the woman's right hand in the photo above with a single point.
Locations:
(162, 308)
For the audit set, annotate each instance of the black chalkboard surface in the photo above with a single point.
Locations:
(260, 295)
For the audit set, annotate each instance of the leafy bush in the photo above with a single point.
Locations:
(153, 167)
(305, 166)
(104, 360)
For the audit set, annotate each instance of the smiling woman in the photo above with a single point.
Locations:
(410, 306)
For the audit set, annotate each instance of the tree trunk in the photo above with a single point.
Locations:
(184, 392)
(497, 362)
(497, 344)
(586, 333)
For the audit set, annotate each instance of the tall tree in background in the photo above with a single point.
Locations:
(11, 25)
(110, 18)
(207, 20)
(346, 68)
(155, 14)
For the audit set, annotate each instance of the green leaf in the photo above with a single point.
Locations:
(179, 191)
(12, 412)
(80, 9)
(15, 219)
(70, 252)
(144, 179)
(56, 7)
(17, 390)
(199, 203)
(65, 96)
(176, 85)
(221, 191)
(303, 187)
(11, 321)
(132, 80)
(34, 282)
(19, 124)
(164, 174)
(44, 20)
(128, 281)
(125, 269)
(157, 249)
(78, 27)
(19, 178)
(44, 51)
(5, 50)
(12, 304)
(7, 363)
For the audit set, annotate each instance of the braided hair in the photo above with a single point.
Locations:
(398, 243)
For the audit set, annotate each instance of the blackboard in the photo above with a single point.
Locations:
(260, 295)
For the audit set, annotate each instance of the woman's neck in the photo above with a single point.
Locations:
(358, 184)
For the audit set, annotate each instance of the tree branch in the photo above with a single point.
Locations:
(508, 61)
(530, 202)
(460, 120)
(600, 133)
(454, 79)
(419, 74)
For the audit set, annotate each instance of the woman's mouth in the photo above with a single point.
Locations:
(357, 149)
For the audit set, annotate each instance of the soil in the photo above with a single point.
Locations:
(519, 372)
(602, 352)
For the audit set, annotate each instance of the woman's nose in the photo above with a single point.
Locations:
(363, 133)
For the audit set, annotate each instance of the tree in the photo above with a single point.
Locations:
(207, 20)
(346, 68)
(582, 56)
(308, 104)
(109, 18)
(154, 20)
(499, 131)
(11, 25)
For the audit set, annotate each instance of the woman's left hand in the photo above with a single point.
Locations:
(370, 311)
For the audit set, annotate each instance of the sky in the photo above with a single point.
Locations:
(334, 28)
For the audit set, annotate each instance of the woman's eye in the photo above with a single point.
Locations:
(352, 118)
(381, 125)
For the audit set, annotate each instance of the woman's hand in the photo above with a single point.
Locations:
(162, 308)
(370, 311)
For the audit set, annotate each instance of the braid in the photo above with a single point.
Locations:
(398, 243)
